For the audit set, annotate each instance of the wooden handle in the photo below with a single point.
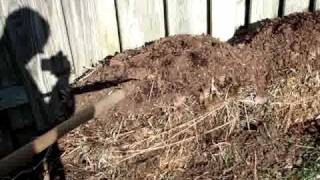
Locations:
(24, 154)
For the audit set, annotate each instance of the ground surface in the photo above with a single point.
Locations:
(203, 109)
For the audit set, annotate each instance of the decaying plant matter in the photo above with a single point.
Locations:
(206, 109)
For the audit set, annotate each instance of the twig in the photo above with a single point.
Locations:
(139, 152)
(305, 147)
(198, 119)
(151, 90)
(255, 166)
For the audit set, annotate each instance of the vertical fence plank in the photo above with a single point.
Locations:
(241, 14)
(317, 5)
(51, 10)
(92, 29)
(223, 19)
(140, 21)
(226, 17)
(31, 67)
(262, 9)
(107, 28)
(292, 6)
(187, 16)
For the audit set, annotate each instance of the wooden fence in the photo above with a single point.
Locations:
(88, 30)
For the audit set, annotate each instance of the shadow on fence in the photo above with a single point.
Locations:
(26, 33)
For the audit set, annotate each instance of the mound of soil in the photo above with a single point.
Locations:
(199, 108)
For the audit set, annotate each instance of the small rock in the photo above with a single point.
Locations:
(299, 161)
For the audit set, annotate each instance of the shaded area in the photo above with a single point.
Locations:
(245, 34)
(26, 33)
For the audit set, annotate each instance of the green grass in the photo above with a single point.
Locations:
(310, 168)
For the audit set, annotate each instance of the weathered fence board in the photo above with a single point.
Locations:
(107, 39)
(241, 14)
(51, 10)
(187, 16)
(262, 9)
(292, 6)
(140, 21)
(317, 5)
(226, 17)
(92, 30)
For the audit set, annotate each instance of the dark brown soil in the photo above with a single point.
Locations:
(200, 108)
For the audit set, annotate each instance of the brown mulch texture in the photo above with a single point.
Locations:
(203, 109)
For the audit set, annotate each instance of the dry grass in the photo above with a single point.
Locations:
(163, 145)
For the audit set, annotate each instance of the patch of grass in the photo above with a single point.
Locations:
(310, 168)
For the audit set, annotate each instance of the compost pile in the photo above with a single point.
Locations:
(199, 108)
